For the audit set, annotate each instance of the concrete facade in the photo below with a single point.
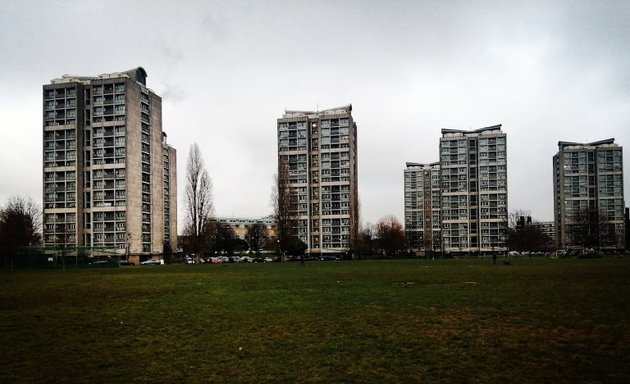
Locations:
(106, 165)
(320, 150)
(459, 204)
(473, 166)
(241, 225)
(589, 176)
(422, 207)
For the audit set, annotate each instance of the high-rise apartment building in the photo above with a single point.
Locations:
(588, 177)
(422, 207)
(473, 167)
(319, 151)
(110, 178)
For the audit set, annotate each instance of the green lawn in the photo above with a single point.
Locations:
(539, 320)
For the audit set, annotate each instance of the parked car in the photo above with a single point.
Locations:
(100, 262)
(107, 263)
(189, 260)
(125, 262)
(151, 262)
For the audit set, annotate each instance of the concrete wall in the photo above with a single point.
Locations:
(157, 175)
(173, 196)
(134, 166)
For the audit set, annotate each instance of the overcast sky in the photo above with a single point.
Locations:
(226, 70)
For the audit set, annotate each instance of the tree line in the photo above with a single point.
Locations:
(387, 238)
(202, 233)
(20, 227)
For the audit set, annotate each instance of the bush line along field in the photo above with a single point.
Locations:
(399, 321)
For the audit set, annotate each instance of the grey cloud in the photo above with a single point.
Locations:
(215, 28)
(548, 71)
(173, 93)
(170, 55)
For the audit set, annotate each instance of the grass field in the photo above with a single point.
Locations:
(539, 320)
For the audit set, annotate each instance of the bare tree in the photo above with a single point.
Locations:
(64, 246)
(523, 234)
(590, 229)
(355, 238)
(365, 241)
(224, 238)
(281, 202)
(390, 234)
(198, 199)
(516, 221)
(515, 217)
(20, 226)
(256, 235)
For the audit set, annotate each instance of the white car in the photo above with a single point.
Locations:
(151, 262)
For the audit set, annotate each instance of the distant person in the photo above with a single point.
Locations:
(302, 261)
(494, 258)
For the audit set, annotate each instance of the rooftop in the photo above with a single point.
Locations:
(346, 109)
(138, 74)
(479, 130)
(566, 144)
(420, 165)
